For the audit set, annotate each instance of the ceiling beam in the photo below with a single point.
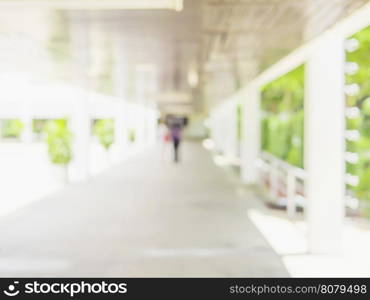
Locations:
(214, 31)
(220, 3)
(96, 4)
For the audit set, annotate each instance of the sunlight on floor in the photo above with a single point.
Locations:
(288, 240)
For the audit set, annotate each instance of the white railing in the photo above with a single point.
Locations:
(278, 170)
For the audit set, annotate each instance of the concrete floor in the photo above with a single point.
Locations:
(144, 218)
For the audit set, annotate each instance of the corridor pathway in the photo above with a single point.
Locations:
(143, 218)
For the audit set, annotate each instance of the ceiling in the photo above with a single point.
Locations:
(203, 50)
(244, 37)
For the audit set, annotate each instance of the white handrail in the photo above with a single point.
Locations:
(292, 175)
(298, 172)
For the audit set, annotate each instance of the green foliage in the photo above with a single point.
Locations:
(264, 135)
(283, 117)
(278, 136)
(354, 124)
(58, 139)
(132, 135)
(39, 128)
(104, 130)
(361, 100)
(362, 190)
(361, 56)
(295, 154)
(12, 128)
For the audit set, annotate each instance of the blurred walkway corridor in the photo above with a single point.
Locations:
(143, 218)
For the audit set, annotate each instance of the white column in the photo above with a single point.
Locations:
(121, 71)
(80, 127)
(231, 134)
(26, 119)
(152, 122)
(324, 146)
(251, 135)
(27, 133)
(80, 119)
(120, 67)
(121, 127)
(146, 86)
(140, 95)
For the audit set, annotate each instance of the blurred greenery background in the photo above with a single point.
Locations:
(361, 100)
(283, 117)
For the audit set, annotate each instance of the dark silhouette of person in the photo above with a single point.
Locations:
(176, 140)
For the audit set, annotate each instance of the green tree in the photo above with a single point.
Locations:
(296, 146)
(283, 117)
(104, 130)
(58, 139)
(132, 135)
(12, 128)
(361, 100)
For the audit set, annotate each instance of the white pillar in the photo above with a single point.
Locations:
(251, 135)
(232, 133)
(80, 126)
(80, 119)
(146, 86)
(27, 131)
(152, 124)
(324, 146)
(140, 95)
(26, 119)
(120, 76)
(121, 127)
(151, 127)
(120, 67)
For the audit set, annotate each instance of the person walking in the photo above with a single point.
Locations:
(176, 140)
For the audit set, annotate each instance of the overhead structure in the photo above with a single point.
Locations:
(206, 49)
(244, 37)
(176, 5)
